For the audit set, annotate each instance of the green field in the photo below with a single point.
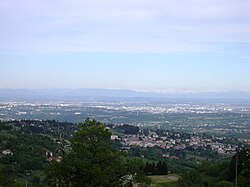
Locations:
(164, 180)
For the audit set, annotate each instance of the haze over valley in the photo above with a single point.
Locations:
(193, 112)
(118, 93)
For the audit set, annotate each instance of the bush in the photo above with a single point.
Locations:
(224, 184)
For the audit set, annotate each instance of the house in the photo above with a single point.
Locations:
(55, 158)
(7, 152)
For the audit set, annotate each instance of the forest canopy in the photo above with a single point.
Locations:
(93, 161)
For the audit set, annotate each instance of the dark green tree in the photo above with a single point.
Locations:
(164, 169)
(244, 178)
(241, 157)
(93, 161)
(224, 184)
(8, 181)
(191, 178)
(159, 169)
(36, 180)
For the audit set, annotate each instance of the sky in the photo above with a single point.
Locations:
(160, 45)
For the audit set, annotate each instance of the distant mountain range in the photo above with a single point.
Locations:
(75, 94)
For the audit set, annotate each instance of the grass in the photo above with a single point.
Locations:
(164, 180)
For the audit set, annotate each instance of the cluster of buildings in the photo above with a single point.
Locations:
(181, 141)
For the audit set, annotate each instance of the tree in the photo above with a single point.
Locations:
(244, 178)
(159, 169)
(36, 180)
(224, 184)
(8, 181)
(93, 161)
(164, 169)
(191, 178)
(241, 157)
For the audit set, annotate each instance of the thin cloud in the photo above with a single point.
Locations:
(122, 26)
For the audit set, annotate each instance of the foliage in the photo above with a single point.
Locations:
(36, 180)
(27, 151)
(191, 178)
(6, 181)
(156, 169)
(241, 157)
(224, 184)
(244, 178)
(128, 129)
(225, 171)
(93, 161)
(215, 169)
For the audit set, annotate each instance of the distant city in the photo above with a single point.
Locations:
(230, 117)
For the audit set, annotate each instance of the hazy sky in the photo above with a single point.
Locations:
(177, 45)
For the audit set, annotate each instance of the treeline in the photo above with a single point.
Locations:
(23, 157)
(223, 173)
(160, 168)
(22, 153)
(46, 127)
(125, 128)
(28, 154)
